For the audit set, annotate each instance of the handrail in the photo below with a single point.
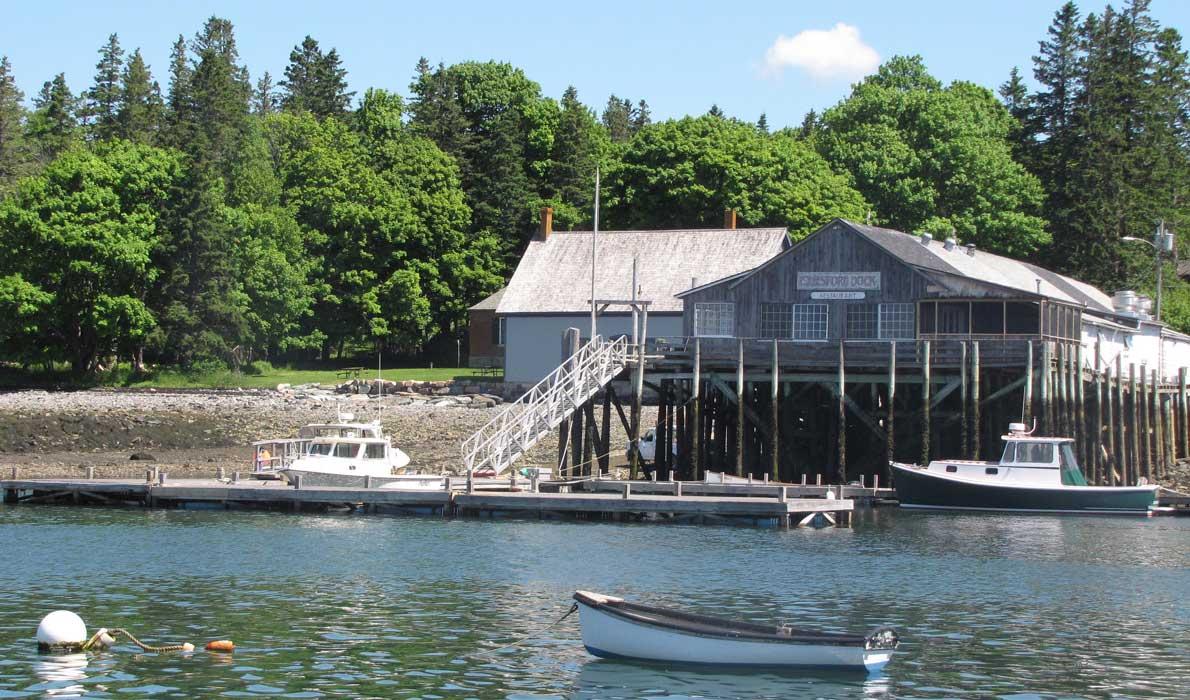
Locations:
(523, 422)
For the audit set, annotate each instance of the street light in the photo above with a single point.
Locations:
(1162, 243)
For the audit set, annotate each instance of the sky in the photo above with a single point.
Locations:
(780, 58)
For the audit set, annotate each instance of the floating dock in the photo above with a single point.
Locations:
(632, 501)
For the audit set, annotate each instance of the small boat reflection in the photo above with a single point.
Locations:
(61, 676)
(606, 678)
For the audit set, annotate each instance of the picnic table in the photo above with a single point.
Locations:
(350, 372)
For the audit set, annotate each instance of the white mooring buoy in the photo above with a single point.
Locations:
(61, 628)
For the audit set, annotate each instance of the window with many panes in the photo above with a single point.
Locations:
(776, 320)
(809, 321)
(896, 321)
(861, 321)
(714, 319)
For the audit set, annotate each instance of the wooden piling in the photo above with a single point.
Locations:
(976, 448)
(605, 447)
(1146, 427)
(1061, 406)
(1080, 416)
(842, 406)
(1167, 412)
(1027, 403)
(1133, 469)
(739, 410)
(1158, 434)
(776, 423)
(1096, 448)
(890, 443)
(696, 412)
(925, 403)
(1046, 410)
(964, 427)
(1183, 418)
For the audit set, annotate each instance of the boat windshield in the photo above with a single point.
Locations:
(321, 449)
(1035, 453)
(1071, 474)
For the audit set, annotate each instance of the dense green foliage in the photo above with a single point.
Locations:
(220, 217)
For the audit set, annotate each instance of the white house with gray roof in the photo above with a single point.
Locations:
(551, 288)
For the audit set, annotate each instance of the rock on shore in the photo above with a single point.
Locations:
(193, 433)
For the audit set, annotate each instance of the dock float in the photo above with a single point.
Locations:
(628, 504)
(760, 489)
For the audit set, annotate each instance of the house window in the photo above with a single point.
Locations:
(714, 320)
(776, 320)
(809, 321)
(896, 321)
(498, 326)
(861, 321)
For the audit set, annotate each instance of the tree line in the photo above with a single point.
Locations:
(221, 218)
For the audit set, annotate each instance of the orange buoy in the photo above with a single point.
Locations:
(221, 645)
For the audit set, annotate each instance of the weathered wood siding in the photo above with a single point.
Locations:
(836, 248)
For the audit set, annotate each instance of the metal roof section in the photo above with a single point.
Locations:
(553, 276)
(955, 259)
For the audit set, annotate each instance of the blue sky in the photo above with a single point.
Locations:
(680, 56)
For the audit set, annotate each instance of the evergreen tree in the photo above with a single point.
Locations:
(53, 125)
(578, 144)
(1015, 96)
(315, 82)
(1051, 115)
(810, 125)
(436, 110)
(178, 103)
(264, 99)
(763, 123)
(219, 94)
(714, 111)
(641, 116)
(103, 100)
(14, 154)
(142, 111)
(617, 119)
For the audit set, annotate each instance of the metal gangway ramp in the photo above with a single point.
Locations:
(543, 408)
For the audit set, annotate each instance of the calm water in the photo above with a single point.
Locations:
(367, 606)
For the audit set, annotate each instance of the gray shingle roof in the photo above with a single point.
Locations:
(554, 276)
(491, 302)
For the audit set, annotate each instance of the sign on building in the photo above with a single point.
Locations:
(838, 281)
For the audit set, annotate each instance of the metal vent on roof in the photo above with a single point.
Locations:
(926, 238)
(950, 243)
(971, 249)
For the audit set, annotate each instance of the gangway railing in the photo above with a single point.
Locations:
(523, 422)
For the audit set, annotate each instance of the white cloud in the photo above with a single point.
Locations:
(829, 54)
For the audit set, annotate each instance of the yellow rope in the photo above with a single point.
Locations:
(90, 643)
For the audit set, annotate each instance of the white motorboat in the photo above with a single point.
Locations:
(358, 462)
(1035, 474)
(615, 628)
(270, 457)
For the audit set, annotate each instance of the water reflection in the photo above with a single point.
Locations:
(61, 676)
(604, 678)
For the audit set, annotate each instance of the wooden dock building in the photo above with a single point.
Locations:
(860, 345)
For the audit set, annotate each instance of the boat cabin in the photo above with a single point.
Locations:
(349, 447)
(1027, 460)
(343, 430)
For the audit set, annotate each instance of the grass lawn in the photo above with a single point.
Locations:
(175, 379)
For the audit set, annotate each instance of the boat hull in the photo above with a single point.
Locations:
(413, 482)
(607, 635)
(917, 488)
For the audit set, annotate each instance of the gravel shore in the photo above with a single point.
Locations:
(193, 433)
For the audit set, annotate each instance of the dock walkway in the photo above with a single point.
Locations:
(630, 503)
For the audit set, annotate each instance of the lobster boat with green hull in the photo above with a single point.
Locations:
(1035, 474)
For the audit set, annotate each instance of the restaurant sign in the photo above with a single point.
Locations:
(834, 281)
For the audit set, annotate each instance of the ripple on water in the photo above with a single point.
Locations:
(385, 607)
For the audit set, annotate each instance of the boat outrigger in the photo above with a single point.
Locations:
(615, 628)
(1035, 474)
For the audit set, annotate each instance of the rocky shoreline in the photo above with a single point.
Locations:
(193, 433)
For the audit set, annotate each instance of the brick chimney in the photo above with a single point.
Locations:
(729, 218)
(547, 224)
